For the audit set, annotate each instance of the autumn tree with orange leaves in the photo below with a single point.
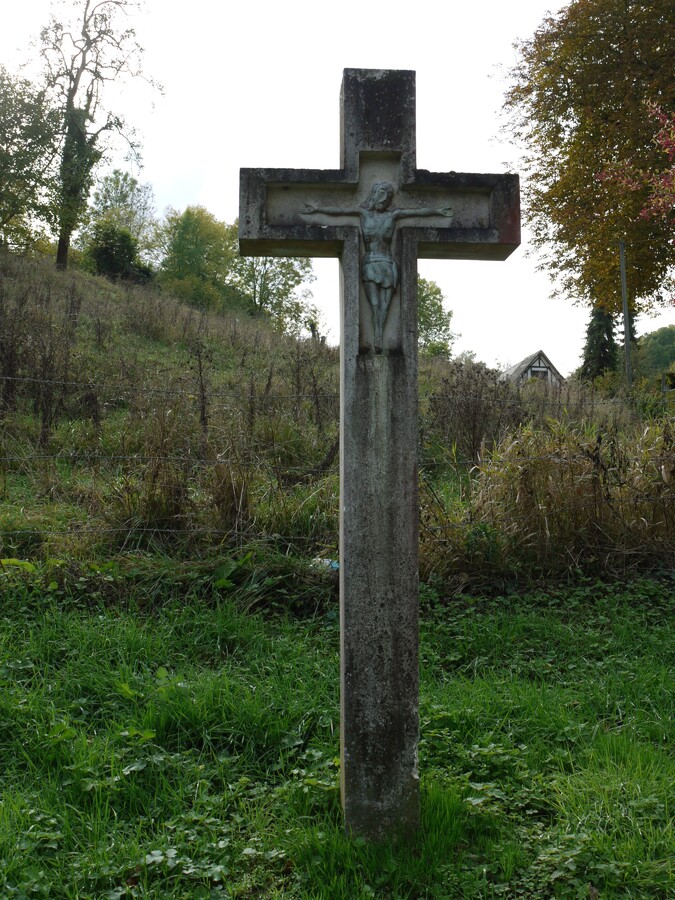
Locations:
(581, 104)
(660, 202)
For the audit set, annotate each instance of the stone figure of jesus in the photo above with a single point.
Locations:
(379, 271)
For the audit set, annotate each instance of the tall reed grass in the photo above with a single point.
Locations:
(559, 501)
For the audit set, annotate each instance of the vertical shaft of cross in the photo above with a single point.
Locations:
(379, 509)
(379, 571)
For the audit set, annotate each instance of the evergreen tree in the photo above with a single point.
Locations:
(621, 346)
(600, 350)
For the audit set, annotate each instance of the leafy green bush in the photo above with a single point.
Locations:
(112, 250)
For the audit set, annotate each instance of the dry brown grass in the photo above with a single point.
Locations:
(131, 420)
(559, 500)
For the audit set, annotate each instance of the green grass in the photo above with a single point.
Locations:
(159, 740)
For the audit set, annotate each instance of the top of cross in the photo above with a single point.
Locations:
(377, 143)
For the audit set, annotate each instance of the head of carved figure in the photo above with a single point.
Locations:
(380, 196)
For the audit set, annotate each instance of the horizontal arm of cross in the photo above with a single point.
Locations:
(485, 222)
(288, 235)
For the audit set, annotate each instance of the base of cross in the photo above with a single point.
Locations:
(378, 214)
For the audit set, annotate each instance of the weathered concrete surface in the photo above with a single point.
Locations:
(290, 212)
(379, 571)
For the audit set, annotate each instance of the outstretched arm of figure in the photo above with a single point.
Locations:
(308, 210)
(446, 211)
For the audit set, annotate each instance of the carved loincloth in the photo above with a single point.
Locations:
(380, 269)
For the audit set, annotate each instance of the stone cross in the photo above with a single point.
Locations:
(378, 214)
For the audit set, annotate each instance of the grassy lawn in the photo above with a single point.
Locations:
(178, 744)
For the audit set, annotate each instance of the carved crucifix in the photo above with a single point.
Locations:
(378, 214)
(379, 270)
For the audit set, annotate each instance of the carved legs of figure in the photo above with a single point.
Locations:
(380, 300)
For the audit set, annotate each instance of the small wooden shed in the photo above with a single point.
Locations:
(538, 365)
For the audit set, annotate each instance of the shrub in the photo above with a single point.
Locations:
(555, 501)
(113, 251)
(473, 407)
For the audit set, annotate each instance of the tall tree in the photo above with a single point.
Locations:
(29, 128)
(601, 353)
(578, 102)
(660, 202)
(275, 287)
(656, 351)
(433, 320)
(80, 59)
(202, 265)
(121, 200)
(198, 258)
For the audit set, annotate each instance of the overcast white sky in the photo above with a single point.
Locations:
(257, 84)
